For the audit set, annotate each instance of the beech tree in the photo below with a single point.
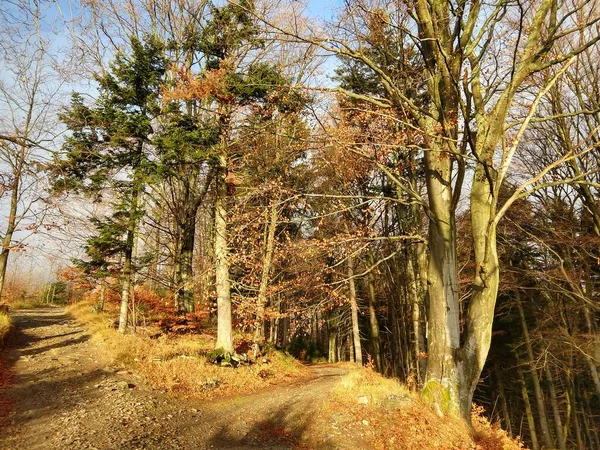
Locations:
(473, 84)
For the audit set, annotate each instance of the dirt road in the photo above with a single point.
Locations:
(58, 390)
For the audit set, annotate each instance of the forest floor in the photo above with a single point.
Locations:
(59, 390)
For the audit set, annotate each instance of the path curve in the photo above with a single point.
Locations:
(61, 392)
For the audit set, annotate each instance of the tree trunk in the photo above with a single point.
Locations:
(373, 323)
(503, 404)
(590, 360)
(17, 172)
(442, 378)
(528, 411)
(416, 316)
(560, 436)
(3, 263)
(354, 309)
(271, 226)
(11, 224)
(537, 389)
(126, 282)
(186, 302)
(223, 287)
(570, 393)
(101, 299)
(127, 272)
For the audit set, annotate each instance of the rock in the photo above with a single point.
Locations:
(365, 423)
(123, 385)
(396, 401)
(211, 383)
(226, 364)
(363, 400)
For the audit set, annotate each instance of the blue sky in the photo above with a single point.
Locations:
(324, 9)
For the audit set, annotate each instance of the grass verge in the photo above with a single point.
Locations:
(5, 324)
(380, 413)
(178, 363)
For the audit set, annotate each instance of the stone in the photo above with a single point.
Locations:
(363, 400)
(396, 401)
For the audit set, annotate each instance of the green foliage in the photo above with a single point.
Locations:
(264, 84)
(303, 349)
(107, 138)
(392, 51)
(55, 293)
(229, 27)
(107, 148)
(186, 140)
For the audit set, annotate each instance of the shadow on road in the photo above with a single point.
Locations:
(281, 431)
(39, 390)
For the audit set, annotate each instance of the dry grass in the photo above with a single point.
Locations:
(380, 413)
(178, 363)
(5, 324)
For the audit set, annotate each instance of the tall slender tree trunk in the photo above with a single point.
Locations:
(17, 172)
(12, 218)
(592, 364)
(186, 290)
(560, 435)
(102, 297)
(271, 226)
(223, 287)
(503, 403)
(537, 389)
(354, 310)
(528, 411)
(132, 228)
(373, 322)
(443, 378)
(570, 393)
(126, 276)
(414, 290)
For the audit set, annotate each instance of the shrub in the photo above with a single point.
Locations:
(5, 325)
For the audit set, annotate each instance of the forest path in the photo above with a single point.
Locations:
(58, 390)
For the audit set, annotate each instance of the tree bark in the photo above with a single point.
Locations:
(528, 411)
(185, 286)
(126, 281)
(415, 294)
(503, 403)
(560, 435)
(373, 323)
(271, 225)
(443, 377)
(132, 228)
(223, 287)
(354, 310)
(537, 389)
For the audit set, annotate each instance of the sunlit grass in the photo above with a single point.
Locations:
(388, 415)
(5, 324)
(178, 363)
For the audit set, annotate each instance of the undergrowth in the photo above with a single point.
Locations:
(5, 324)
(381, 413)
(178, 363)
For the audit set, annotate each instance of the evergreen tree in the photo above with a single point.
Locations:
(109, 151)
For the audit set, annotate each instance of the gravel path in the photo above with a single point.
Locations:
(58, 390)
